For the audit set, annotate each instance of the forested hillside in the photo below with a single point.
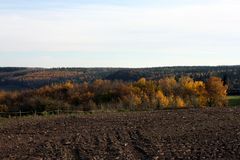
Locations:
(105, 94)
(27, 78)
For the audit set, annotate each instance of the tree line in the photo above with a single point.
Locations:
(34, 78)
(142, 94)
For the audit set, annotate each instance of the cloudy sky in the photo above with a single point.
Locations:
(119, 33)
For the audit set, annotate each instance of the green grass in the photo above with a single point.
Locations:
(234, 100)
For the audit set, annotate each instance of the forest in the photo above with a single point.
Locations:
(143, 94)
(12, 79)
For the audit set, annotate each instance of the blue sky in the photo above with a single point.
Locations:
(119, 33)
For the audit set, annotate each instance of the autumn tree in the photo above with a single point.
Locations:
(192, 92)
(141, 83)
(163, 101)
(168, 85)
(217, 92)
(179, 102)
(201, 94)
(186, 86)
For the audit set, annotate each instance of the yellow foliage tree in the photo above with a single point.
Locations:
(142, 81)
(179, 102)
(217, 92)
(201, 94)
(168, 85)
(162, 99)
(186, 86)
(68, 85)
(192, 92)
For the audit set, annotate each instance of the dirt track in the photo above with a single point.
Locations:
(177, 134)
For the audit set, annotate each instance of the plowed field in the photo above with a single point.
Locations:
(211, 133)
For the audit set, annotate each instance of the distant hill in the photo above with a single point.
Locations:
(13, 78)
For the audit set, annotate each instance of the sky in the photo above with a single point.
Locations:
(119, 33)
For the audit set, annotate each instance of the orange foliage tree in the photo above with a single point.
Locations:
(163, 101)
(179, 102)
(217, 92)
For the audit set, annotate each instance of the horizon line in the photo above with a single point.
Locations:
(170, 66)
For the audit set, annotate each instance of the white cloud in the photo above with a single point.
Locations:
(206, 28)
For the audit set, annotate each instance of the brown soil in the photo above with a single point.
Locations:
(168, 134)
